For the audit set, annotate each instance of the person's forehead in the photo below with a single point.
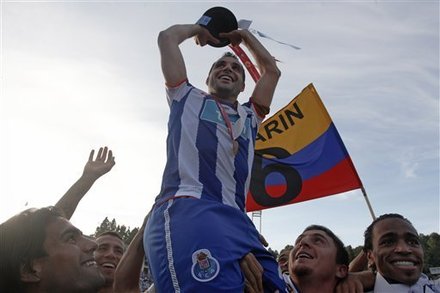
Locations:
(228, 59)
(60, 225)
(109, 240)
(314, 233)
(393, 226)
(58, 228)
(284, 252)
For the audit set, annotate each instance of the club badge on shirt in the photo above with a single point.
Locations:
(205, 267)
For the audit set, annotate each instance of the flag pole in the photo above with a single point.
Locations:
(360, 262)
(258, 214)
(368, 203)
(261, 224)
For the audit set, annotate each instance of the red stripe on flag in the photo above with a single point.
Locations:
(341, 178)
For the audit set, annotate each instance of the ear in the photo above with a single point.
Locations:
(242, 88)
(32, 273)
(371, 260)
(341, 271)
(370, 257)
(206, 81)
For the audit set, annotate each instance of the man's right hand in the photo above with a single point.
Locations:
(103, 163)
(203, 36)
(93, 169)
(253, 273)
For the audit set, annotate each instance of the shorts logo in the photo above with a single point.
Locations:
(205, 267)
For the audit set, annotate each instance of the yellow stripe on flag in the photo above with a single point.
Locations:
(304, 118)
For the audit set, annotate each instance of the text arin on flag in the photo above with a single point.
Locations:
(278, 126)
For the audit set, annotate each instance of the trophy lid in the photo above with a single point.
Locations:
(218, 20)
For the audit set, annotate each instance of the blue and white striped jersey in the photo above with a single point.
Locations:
(200, 158)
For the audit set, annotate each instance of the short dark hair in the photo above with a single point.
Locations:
(229, 54)
(341, 252)
(368, 234)
(21, 242)
(114, 234)
(286, 249)
(111, 233)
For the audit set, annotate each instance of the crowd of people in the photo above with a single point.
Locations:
(41, 251)
(197, 236)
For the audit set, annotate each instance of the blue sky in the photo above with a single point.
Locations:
(79, 75)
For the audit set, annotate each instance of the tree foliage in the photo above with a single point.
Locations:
(273, 252)
(431, 245)
(353, 252)
(126, 233)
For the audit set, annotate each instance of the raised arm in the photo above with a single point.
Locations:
(265, 87)
(128, 271)
(359, 263)
(172, 62)
(93, 169)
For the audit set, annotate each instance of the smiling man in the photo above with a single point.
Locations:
(41, 251)
(283, 259)
(108, 254)
(198, 231)
(394, 250)
(318, 261)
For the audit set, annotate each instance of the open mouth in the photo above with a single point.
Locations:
(108, 265)
(303, 255)
(404, 263)
(89, 263)
(225, 78)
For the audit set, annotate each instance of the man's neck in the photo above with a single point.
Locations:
(224, 98)
(66, 290)
(311, 284)
(106, 289)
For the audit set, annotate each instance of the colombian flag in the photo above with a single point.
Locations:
(299, 156)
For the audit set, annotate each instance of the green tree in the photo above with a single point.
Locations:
(353, 252)
(273, 252)
(431, 246)
(126, 233)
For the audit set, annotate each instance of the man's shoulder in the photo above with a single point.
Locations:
(382, 285)
(423, 285)
(426, 285)
(183, 90)
(291, 287)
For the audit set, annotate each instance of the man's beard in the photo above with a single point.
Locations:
(302, 271)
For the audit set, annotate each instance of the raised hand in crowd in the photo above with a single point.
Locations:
(101, 165)
(94, 169)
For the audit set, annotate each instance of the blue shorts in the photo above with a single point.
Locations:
(196, 245)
